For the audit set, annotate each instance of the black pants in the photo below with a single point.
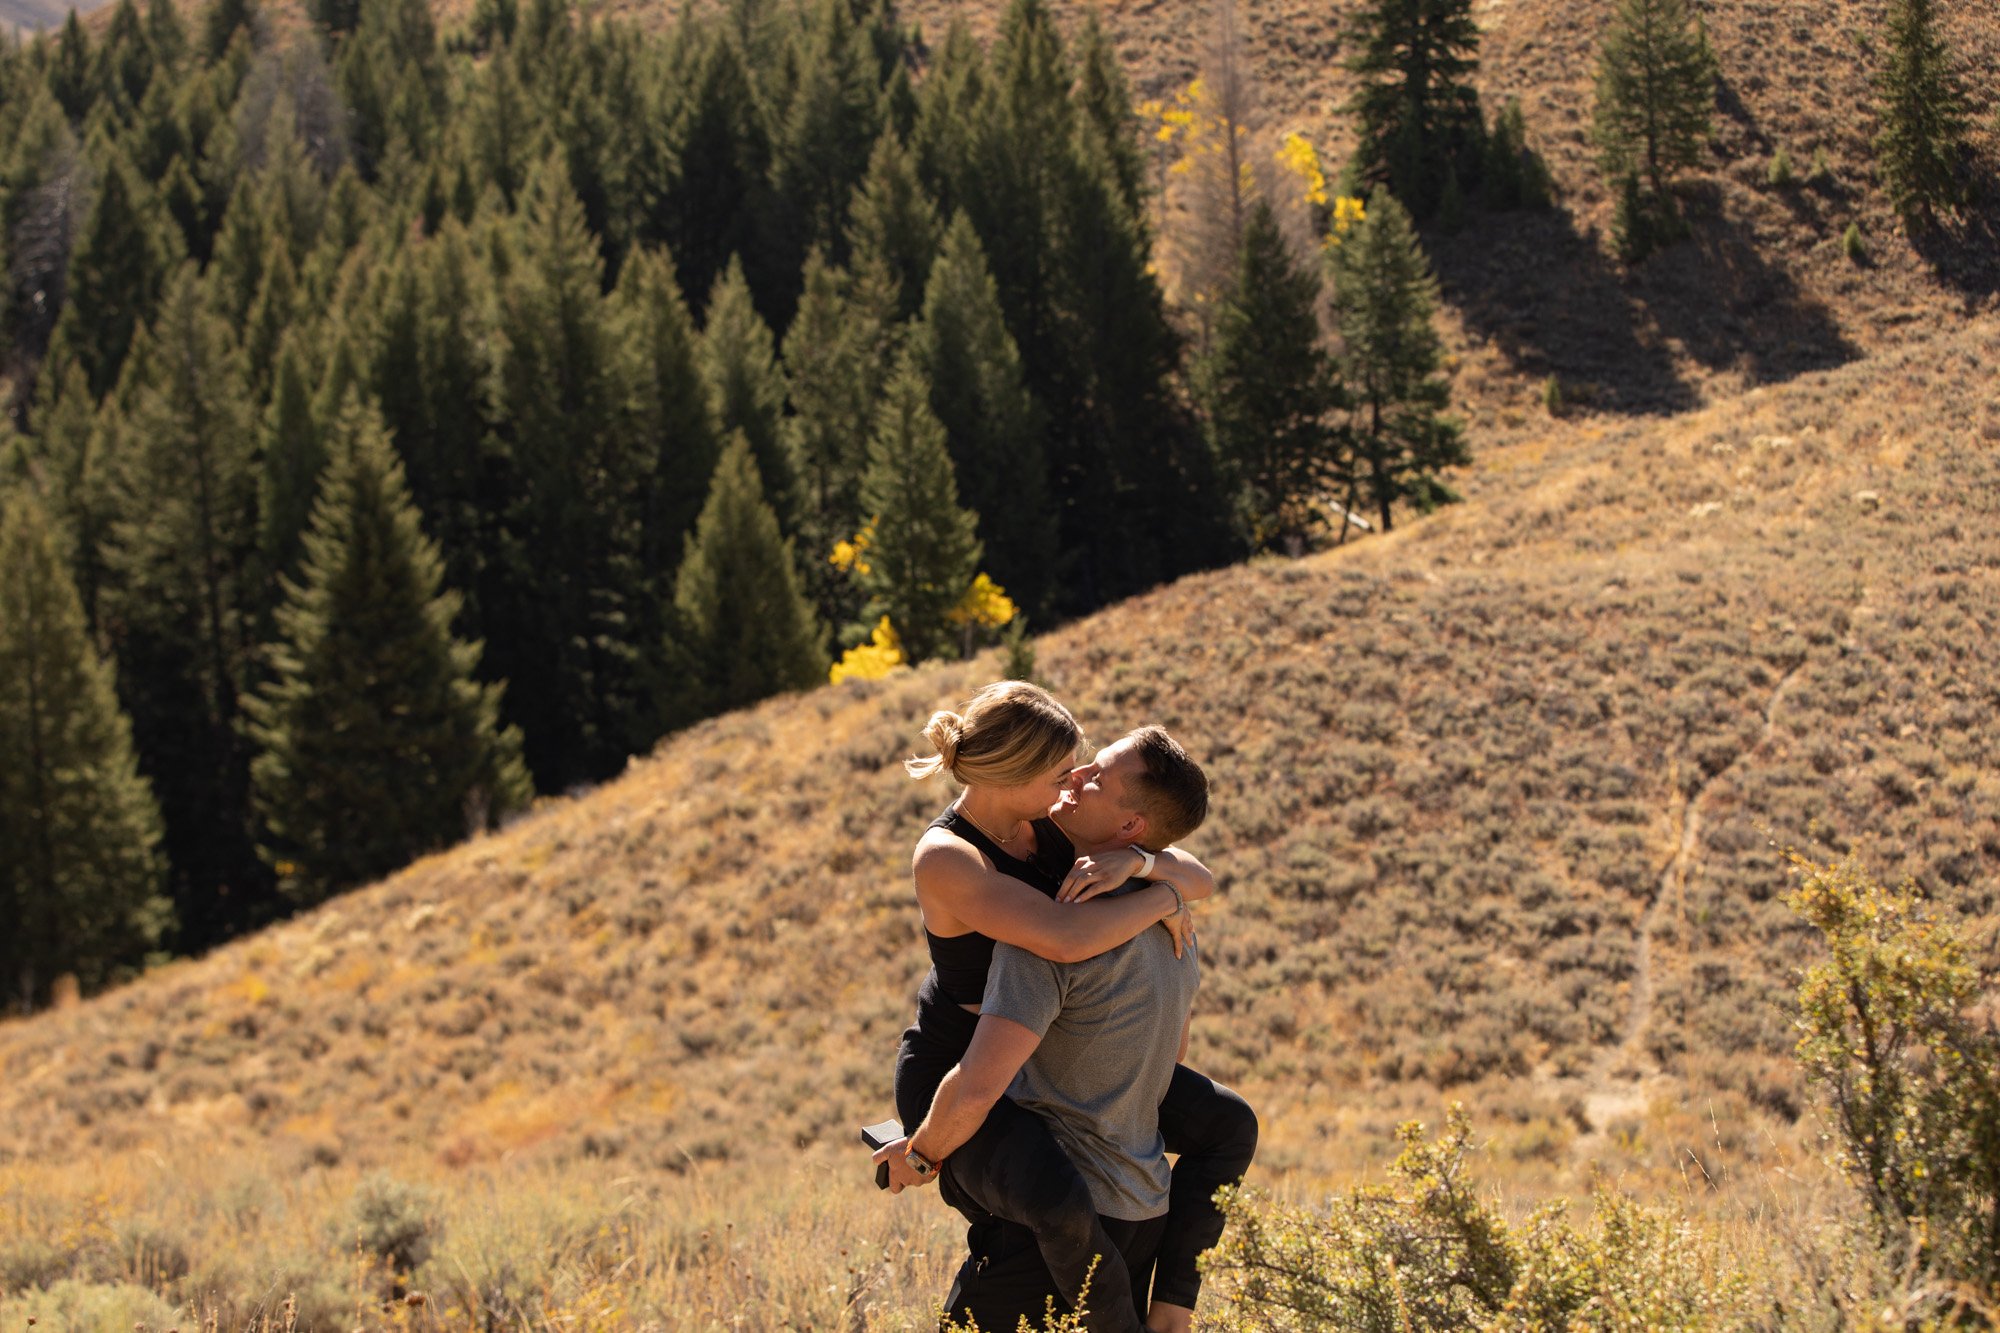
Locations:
(1014, 1171)
(1004, 1280)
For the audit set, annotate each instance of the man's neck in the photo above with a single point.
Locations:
(1091, 848)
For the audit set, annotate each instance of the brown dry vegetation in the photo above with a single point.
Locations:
(1499, 799)
(1496, 803)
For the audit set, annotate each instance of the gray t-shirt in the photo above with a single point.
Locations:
(1110, 1029)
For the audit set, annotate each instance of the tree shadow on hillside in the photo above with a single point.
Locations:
(1964, 252)
(1554, 303)
(1718, 295)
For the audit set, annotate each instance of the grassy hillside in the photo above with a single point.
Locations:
(1497, 805)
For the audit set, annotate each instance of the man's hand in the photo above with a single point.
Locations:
(1092, 875)
(901, 1177)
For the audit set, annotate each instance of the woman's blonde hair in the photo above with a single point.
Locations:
(1010, 733)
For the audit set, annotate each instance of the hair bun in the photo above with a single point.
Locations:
(944, 731)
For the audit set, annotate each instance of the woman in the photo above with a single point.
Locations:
(992, 867)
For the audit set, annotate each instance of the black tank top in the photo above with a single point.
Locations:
(960, 961)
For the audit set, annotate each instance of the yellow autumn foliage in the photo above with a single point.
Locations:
(985, 603)
(882, 654)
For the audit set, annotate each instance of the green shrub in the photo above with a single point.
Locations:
(1552, 396)
(1427, 1253)
(396, 1222)
(1911, 1080)
(1821, 170)
(1851, 244)
(1780, 176)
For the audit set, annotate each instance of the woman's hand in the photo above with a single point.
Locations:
(1092, 875)
(1181, 926)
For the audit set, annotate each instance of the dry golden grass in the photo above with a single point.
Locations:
(1495, 803)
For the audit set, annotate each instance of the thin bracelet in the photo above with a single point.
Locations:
(1180, 903)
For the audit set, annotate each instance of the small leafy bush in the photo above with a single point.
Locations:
(1427, 1253)
(1780, 175)
(1911, 1078)
(394, 1221)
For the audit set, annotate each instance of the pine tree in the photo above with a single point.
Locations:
(1385, 297)
(125, 61)
(183, 601)
(1105, 99)
(724, 153)
(567, 635)
(746, 388)
(893, 229)
(1143, 503)
(79, 830)
(1513, 175)
(837, 358)
(992, 424)
(73, 71)
(949, 111)
(294, 458)
(238, 268)
(922, 548)
(67, 455)
(1922, 147)
(270, 315)
(1417, 112)
(501, 128)
(745, 630)
(115, 274)
(375, 742)
(673, 421)
(1271, 393)
(1654, 113)
(825, 134)
(166, 34)
(221, 21)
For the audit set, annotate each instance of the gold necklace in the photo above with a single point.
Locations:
(997, 842)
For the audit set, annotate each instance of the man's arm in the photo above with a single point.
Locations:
(999, 1048)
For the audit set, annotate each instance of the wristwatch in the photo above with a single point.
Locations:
(922, 1165)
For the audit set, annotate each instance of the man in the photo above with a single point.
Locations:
(1090, 1048)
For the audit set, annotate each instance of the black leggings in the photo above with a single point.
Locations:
(1013, 1169)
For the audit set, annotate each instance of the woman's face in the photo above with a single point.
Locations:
(1038, 797)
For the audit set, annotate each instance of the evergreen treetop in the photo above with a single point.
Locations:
(1922, 147)
(375, 741)
(922, 548)
(79, 830)
(1271, 392)
(745, 631)
(1655, 101)
(1386, 298)
(1416, 109)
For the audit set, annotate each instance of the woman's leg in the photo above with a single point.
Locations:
(1215, 1133)
(1014, 1169)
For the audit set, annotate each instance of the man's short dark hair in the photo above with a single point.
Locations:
(1170, 790)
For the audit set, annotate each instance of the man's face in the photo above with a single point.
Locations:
(1093, 808)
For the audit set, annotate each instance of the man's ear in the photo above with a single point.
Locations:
(1133, 830)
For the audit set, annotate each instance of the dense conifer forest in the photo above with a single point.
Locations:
(652, 322)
